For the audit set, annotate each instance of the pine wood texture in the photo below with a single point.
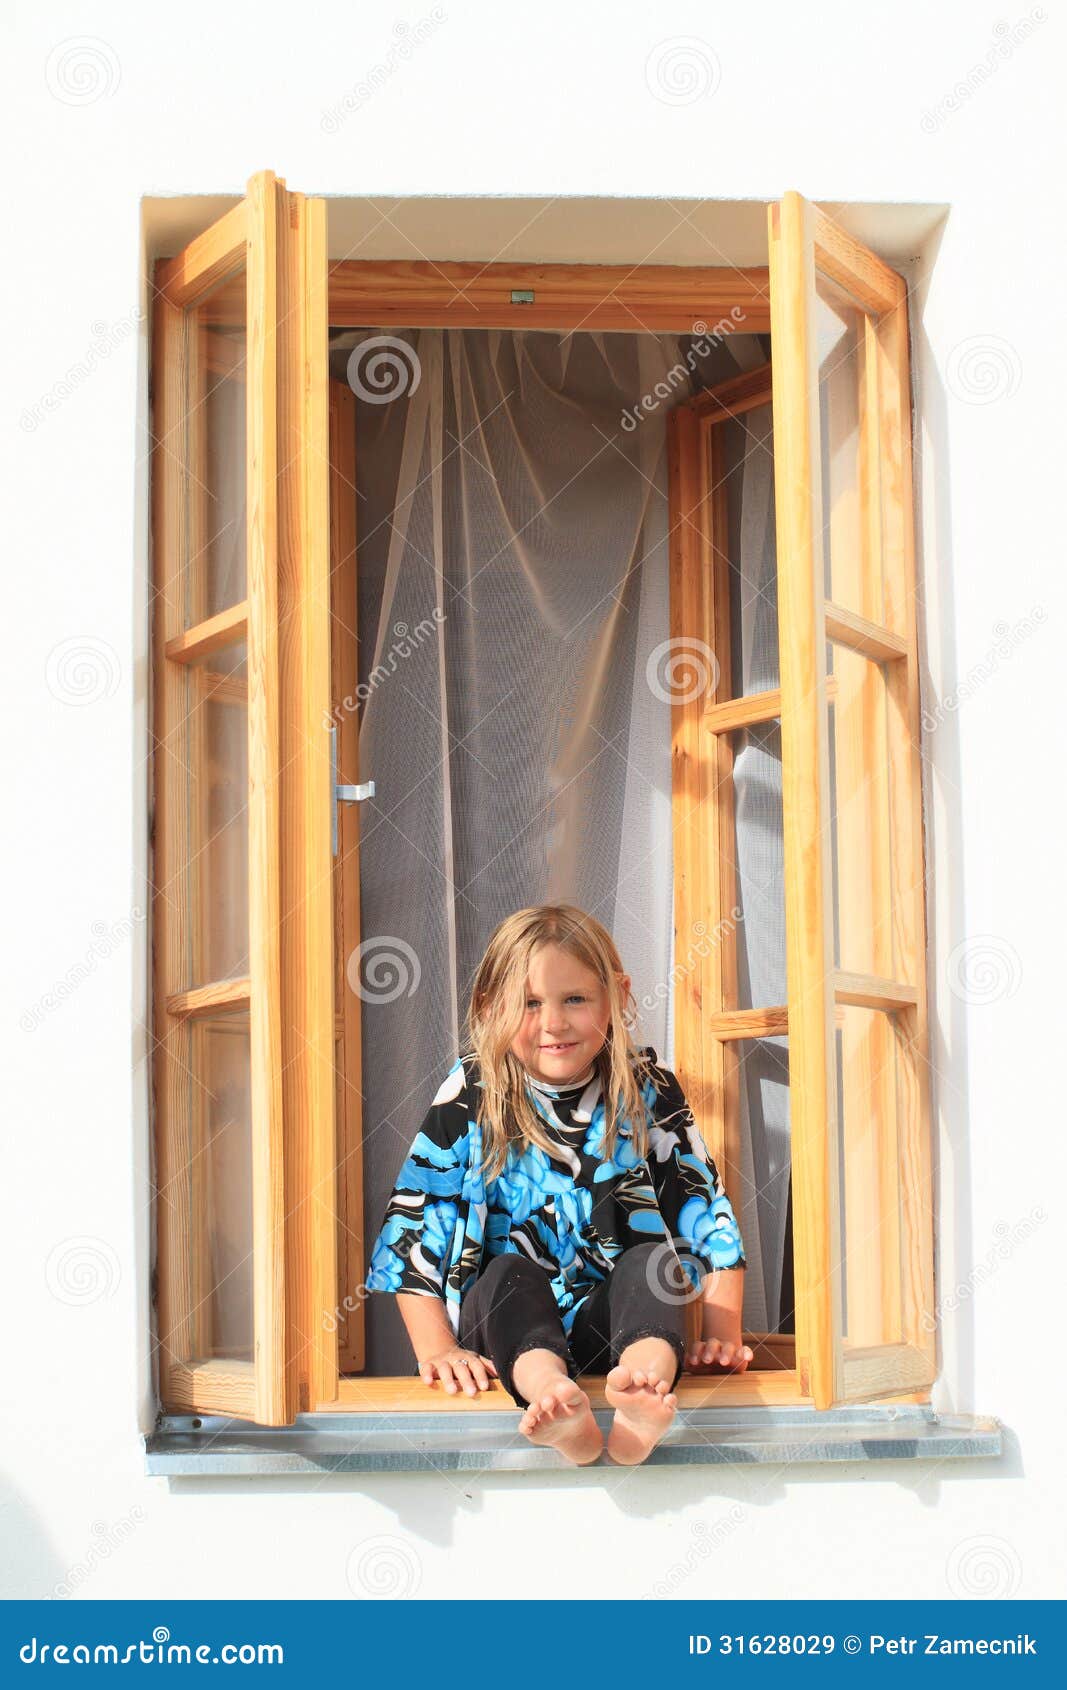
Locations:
(567, 297)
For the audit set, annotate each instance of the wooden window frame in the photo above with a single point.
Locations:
(307, 1353)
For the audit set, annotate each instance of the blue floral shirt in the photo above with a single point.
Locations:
(574, 1212)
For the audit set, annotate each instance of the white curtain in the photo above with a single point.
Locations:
(512, 603)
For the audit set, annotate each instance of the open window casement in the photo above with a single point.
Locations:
(855, 913)
(243, 936)
(259, 1090)
(830, 694)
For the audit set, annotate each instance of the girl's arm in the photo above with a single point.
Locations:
(427, 1324)
(720, 1323)
(694, 1203)
(436, 1350)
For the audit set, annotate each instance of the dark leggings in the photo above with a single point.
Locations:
(510, 1308)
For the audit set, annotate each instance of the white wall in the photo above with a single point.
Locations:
(844, 103)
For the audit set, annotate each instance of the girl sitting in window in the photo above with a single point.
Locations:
(535, 1233)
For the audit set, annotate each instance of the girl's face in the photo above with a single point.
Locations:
(566, 1019)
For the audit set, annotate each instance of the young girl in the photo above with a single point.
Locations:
(535, 1230)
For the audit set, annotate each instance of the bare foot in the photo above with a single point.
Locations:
(559, 1414)
(644, 1407)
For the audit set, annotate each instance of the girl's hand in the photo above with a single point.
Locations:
(455, 1366)
(716, 1355)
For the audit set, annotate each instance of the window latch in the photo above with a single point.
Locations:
(339, 792)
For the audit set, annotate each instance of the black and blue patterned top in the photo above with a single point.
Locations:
(573, 1211)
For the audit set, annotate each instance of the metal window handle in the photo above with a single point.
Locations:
(340, 793)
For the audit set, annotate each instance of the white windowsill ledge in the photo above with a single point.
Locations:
(191, 1446)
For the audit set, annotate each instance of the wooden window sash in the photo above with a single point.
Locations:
(802, 242)
(273, 244)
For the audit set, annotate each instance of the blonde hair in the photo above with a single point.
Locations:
(495, 1014)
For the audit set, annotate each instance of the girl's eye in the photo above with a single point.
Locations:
(575, 997)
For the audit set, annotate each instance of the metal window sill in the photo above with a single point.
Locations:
(188, 1446)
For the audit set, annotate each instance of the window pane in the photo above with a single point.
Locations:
(743, 457)
(763, 1205)
(216, 876)
(868, 1170)
(220, 1174)
(859, 808)
(215, 447)
(752, 868)
(850, 564)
